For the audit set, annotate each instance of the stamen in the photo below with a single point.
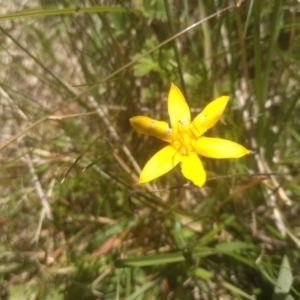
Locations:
(169, 131)
(183, 152)
(152, 123)
(184, 122)
(183, 138)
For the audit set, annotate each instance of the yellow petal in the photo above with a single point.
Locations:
(177, 107)
(192, 169)
(219, 148)
(209, 116)
(159, 164)
(146, 125)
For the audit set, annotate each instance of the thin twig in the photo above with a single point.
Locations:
(38, 187)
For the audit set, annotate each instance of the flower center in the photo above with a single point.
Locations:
(183, 139)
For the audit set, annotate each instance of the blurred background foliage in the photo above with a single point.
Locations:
(72, 74)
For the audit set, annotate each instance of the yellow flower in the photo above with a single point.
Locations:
(185, 138)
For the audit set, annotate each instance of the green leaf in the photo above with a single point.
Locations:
(165, 258)
(284, 279)
(203, 274)
(236, 290)
(144, 66)
(233, 246)
(61, 11)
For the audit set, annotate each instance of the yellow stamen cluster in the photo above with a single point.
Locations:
(183, 139)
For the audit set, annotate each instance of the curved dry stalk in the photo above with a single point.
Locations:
(38, 187)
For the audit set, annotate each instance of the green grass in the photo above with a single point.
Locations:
(72, 74)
